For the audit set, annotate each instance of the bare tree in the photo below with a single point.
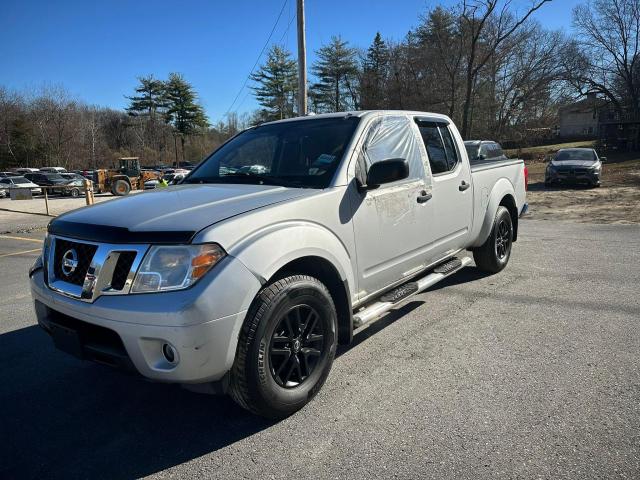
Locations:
(481, 44)
(603, 58)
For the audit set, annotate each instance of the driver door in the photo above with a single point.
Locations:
(390, 222)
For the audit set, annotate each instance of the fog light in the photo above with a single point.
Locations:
(170, 353)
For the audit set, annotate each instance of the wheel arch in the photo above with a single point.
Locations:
(510, 204)
(502, 194)
(327, 273)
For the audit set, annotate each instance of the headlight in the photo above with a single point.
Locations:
(175, 267)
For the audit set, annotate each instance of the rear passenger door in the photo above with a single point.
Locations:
(452, 194)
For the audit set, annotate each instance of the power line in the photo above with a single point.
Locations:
(259, 57)
(287, 30)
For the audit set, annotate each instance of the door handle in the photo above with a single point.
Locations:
(463, 186)
(424, 197)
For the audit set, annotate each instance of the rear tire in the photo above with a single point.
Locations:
(286, 347)
(493, 255)
(120, 188)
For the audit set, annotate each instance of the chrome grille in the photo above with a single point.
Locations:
(122, 269)
(84, 253)
(98, 268)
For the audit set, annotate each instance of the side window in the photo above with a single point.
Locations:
(5, 180)
(440, 146)
(392, 137)
(449, 147)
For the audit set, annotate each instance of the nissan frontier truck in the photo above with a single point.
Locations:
(289, 237)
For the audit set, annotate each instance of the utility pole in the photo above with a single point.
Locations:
(302, 62)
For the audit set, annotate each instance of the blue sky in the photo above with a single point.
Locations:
(96, 49)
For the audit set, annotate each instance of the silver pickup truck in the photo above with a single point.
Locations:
(245, 278)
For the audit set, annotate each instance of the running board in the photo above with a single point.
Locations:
(408, 290)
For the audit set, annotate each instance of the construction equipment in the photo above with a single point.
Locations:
(120, 181)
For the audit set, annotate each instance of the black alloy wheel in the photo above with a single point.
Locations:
(503, 240)
(493, 255)
(296, 346)
(286, 347)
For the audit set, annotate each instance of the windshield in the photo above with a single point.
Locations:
(576, 155)
(20, 180)
(302, 153)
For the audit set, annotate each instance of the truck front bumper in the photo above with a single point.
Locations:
(200, 324)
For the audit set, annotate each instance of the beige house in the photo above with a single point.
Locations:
(580, 119)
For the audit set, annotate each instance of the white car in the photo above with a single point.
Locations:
(53, 170)
(19, 182)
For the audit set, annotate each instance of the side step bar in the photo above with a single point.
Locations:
(408, 290)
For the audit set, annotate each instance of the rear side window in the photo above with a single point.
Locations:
(443, 156)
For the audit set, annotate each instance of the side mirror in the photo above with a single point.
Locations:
(481, 156)
(603, 159)
(387, 171)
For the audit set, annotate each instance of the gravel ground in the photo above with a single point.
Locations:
(531, 373)
(615, 202)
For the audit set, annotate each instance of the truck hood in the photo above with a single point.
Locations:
(574, 163)
(168, 215)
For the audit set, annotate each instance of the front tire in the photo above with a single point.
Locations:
(120, 188)
(494, 253)
(286, 347)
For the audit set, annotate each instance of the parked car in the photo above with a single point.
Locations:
(245, 282)
(176, 179)
(53, 169)
(574, 165)
(484, 151)
(22, 171)
(72, 176)
(151, 184)
(47, 180)
(20, 182)
(171, 179)
(74, 188)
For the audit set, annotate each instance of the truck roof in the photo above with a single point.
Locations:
(361, 114)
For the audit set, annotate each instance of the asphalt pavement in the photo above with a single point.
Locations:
(530, 373)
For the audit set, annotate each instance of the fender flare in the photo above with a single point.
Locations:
(289, 241)
(501, 189)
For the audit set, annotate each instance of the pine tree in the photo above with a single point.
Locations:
(150, 100)
(276, 84)
(183, 112)
(149, 107)
(336, 70)
(374, 75)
